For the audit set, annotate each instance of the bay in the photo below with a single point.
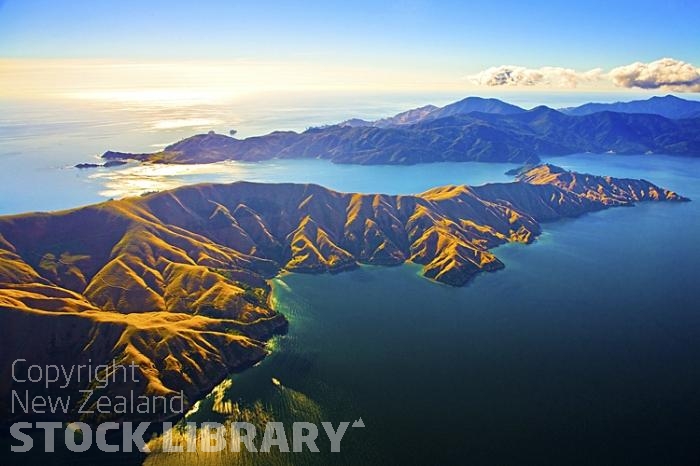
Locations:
(583, 350)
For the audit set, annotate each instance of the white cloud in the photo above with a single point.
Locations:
(667, 73)
(549, 76)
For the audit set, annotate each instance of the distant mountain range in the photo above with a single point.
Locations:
(669, 106)
(431, 112)
(473, 129)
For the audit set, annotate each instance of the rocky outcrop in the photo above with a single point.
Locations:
(108, 164)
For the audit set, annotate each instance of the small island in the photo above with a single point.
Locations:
(107, 164)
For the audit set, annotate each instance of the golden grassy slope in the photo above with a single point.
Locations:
(176, 281)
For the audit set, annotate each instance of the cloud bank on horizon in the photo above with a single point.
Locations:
(667, 74)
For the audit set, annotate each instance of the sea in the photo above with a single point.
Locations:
(583, 350)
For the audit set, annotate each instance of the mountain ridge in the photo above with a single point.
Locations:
(176, 281)
(668, 106)
(473, 129)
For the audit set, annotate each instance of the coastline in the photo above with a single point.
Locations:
(449, 231)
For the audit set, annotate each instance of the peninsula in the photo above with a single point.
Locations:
(473, 129)
(176, 282)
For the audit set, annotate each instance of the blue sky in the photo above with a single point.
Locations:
(585, 34)
(422, 43)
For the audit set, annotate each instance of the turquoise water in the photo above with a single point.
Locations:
(70, 187)
(583, 350)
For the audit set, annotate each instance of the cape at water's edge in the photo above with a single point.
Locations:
(176, 281)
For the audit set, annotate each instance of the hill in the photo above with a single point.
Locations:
(176, 282)
(668, 106)
(445, 135)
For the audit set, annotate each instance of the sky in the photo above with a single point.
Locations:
(212, 49)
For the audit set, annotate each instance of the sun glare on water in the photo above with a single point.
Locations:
(187, 123)
(165, 97)
(141, 179)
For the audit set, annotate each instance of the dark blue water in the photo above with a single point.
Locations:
(583, 350)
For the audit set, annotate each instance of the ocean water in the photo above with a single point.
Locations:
(41, 141)
(583, 350)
